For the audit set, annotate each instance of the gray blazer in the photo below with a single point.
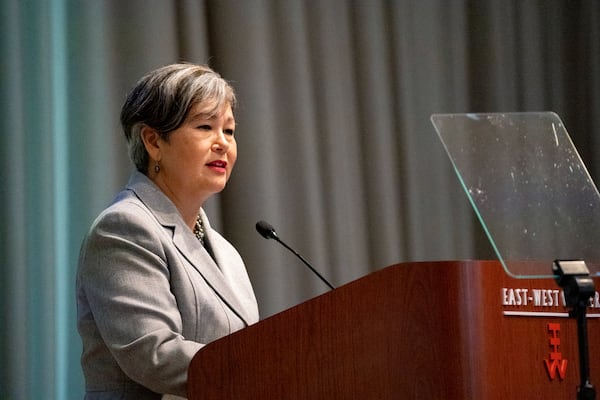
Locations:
(149, 296)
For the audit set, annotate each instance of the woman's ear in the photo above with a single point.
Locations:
(150, 138)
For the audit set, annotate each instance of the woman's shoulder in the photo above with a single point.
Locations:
(125, 222)
(126, 214)
(126, 205)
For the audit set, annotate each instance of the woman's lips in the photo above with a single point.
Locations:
(218, 165)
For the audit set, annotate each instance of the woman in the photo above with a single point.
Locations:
(155, 282)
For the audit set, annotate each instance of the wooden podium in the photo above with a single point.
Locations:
(428, 330)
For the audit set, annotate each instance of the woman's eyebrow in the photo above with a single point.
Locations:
(207, 117)
(202, 116)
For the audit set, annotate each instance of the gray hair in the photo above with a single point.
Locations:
(162, 100)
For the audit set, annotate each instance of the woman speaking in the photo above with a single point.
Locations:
(155, 282)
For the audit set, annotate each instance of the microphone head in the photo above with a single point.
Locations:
(266, 230)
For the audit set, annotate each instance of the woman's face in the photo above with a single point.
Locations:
(198, 157)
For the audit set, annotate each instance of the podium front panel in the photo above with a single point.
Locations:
(429, 330)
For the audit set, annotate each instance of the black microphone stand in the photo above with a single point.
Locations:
(574, 277)
(325, 281)
(268, 232)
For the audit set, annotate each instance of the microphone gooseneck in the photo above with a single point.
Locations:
(267, 231)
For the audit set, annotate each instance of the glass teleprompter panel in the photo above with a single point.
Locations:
(528, 186)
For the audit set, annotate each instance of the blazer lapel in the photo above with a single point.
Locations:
(167, 215)
(189, 247)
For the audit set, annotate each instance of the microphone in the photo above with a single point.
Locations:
(268, 232)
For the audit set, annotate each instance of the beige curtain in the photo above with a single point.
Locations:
(335, 145)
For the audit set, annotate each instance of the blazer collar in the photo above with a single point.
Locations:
(168, 216)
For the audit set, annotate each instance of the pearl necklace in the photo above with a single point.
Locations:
(199, 230)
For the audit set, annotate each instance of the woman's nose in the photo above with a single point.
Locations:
(221, 144)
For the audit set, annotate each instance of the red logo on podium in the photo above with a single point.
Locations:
(556, 364)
